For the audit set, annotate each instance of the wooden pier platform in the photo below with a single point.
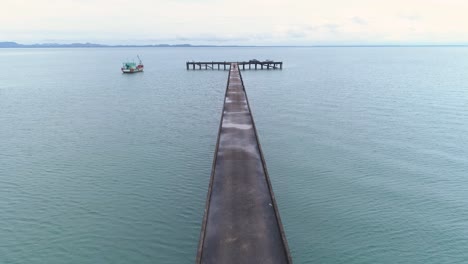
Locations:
(241, 223)
(243, 65)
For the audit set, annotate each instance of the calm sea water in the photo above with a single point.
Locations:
(367, 150)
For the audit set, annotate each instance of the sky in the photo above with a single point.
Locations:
(240, 22)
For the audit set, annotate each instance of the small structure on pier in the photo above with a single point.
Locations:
(243, 65)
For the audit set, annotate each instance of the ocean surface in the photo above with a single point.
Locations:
(367, 150)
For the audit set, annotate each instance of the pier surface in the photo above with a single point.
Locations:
(241, 222)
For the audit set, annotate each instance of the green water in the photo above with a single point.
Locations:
(367, 150)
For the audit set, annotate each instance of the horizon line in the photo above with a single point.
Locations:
(12, 44)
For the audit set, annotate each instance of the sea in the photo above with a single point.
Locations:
(366, 147)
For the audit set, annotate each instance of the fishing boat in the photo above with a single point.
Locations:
(132, 67)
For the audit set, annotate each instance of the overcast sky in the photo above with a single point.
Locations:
(260, 22)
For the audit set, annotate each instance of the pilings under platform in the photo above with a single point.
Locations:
(243, 65)
(241, 222)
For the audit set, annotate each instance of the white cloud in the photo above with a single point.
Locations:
(236, 22)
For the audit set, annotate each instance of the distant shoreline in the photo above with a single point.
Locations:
(93, 45)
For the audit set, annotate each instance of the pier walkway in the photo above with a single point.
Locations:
(241, 222)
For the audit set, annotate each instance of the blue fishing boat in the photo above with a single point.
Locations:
(132, 67)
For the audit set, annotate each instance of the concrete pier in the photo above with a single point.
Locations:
(243, 65)
(241, 223)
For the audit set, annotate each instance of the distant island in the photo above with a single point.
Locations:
(11, 44)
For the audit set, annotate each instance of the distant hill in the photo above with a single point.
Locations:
(10, 45)
(72, 45)
(49, 45)
(83, 45)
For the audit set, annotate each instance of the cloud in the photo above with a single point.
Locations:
(359, 21)
(331, 27)
(412, 17)
(209, 38)
(243, 21)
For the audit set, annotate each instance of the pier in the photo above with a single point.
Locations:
(241, 223)
(243, 65)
